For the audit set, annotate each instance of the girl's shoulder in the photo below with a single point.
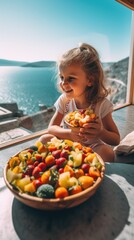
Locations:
(103, 107)
(62, 104)
(106, 102)
(62, 99)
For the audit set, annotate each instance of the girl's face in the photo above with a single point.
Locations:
(74, 82)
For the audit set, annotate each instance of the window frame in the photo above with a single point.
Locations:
(126, 3)
(129, 99)
(130, 85)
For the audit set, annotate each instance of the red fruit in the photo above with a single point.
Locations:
(60, 162)
(83, 157)
(52, 148)
(43, 166)
(36, 163)
(38, 157)
(29, 170)
(37, 183)
(23, 175)
(85, 167)
(64, 154)
(36, 172)
(82, 111)
(87, 174)
(29, 161)
(56, 153)
(30, 150)
(67, 148)
(61, 170)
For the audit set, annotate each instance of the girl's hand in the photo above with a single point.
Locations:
(75, 136)
(91, 130)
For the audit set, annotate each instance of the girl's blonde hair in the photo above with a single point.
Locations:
(86, 56)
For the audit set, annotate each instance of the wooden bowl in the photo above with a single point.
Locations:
(55, 204)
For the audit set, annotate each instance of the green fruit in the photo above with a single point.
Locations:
(33, 148)
(45, 191)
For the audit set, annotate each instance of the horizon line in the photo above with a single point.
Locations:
(34, 61)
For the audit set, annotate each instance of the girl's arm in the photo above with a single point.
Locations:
(107, 130)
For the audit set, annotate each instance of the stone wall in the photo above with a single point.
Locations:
(34, 122)
(37, 121)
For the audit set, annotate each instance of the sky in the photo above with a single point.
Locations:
(35, 30)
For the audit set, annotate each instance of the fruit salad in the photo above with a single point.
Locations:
(80, 117)
(57, 169)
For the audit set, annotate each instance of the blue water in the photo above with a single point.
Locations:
(28, 87)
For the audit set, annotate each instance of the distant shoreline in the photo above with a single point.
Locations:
(6, 63)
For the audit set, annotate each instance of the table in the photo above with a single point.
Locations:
(108, 214)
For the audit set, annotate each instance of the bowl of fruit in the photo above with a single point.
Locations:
(56, 175)
(76, 119)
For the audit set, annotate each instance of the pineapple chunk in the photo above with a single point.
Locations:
(24, 155)
(57, 142)
(68, 142)
(30, 187)
(20, 183)
(17, 169)
(78, 116)
(11, 176)
(73, 181)
(14, 161)
(90, 157)
(77, 158)
(64, 179)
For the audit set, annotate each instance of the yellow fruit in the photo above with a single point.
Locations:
(89, 158)
(78, 173)
(85, 181)
(38, 144)
(17, 169)
(94, 172)
(45, 177)
(70, 163)
(73, 182)
(14, 161)
(68, 142)
(41, 147)
(20, 183)
(44, 154)
(69, 169)
(11, 176)
(77, 158)
(24, 155)
(50, 160)
(29, 188)
(64, 180)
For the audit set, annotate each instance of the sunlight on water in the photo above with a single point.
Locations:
(29, 87)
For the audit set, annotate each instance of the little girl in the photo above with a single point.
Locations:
(82, 83)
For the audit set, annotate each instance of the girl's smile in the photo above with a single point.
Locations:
(74, 82)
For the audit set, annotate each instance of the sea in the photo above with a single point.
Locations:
(29, 87)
